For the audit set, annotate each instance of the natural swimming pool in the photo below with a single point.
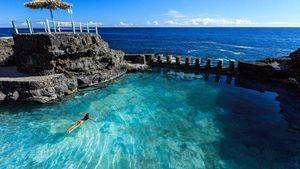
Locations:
(154, 120)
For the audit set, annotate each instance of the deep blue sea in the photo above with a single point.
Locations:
(228, 43)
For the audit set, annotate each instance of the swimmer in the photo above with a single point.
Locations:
(79, 123)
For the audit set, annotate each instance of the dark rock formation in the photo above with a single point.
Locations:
(40, 89)
(257, 69)
(6, 52)
(85, 57)
(282, 70)
(55, 65)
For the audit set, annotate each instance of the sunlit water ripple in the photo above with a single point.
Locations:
(154, 121)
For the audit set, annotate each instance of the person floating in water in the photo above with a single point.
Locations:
(79, 123)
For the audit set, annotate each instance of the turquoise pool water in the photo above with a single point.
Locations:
(153, 120)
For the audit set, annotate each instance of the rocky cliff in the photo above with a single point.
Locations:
(55, 65)
(85, 57)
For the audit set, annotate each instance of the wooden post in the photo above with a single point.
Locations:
(197, 63)
(169, 59)
(87, 27)
(208, 63)
(178, 60)
(220, 64)
(231, 67)
(187, 62)
(96, 28)
(48, 26)
(80, 26)
(14, 26)
(73, 27)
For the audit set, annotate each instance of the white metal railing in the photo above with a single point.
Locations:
(54, 26)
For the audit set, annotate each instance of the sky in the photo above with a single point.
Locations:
(165, 13)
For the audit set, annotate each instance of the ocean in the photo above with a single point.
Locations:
(165, 119)
(227, 43)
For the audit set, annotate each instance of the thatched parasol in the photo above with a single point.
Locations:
(48, 4)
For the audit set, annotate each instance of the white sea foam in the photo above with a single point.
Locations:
(233, 52)
(229, 45)
(192, 51)
(238, 46)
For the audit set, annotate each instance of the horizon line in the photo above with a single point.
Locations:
(5, 27)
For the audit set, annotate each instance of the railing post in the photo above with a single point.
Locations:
(45, 26)
(87, 27)
(96, 28)
(48, 26)
(80, 26)
(73, 27)
(14, 26)
(54, 26)
(29, 26)
(58, 26)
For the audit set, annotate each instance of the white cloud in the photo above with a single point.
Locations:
(171, 22)
(175, 18)
(153, 23)
(175, 14)
(125, 24)
(94, 23)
